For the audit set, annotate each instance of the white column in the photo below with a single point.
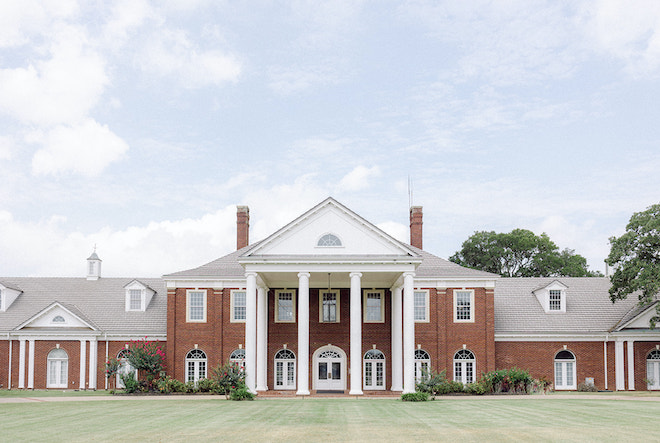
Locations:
(30, 384)
(21, 363)
(93, 363)
(408, 333)
(631, 366)
(262, 338)
(397, 339)
(356, 334)
(303, 333)
(251, 331)
(11, 342)
(83, 358)
(605, 361)
(619, 369)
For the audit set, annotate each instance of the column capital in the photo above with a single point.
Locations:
(409, 274)
(250, 274)
(304, 274)
(355, 274)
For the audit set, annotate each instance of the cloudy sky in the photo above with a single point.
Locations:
(139, 126)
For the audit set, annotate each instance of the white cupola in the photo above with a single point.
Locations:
(93, 266)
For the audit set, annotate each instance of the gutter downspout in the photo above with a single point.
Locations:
(605, 357)
(106, 359)
(9, 371)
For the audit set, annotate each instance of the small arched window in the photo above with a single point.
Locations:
(653, 370)
(238, 356)
(422, 364)
(195, 365)
(329, 240)
(565, 370)
(58, 319)
(464, 363)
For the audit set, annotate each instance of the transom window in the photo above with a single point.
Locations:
(285, 306)
(464, 366)
(555, 300)
(329, 240)
(238, 306)
(374, 369)
(422, 364)
(565, 370)
(329, 303)
(464, 306)
(195, 365)
(196, 306)
(421, 306)
(373, 306)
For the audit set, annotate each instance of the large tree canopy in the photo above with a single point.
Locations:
(520, 253)
(635, 256)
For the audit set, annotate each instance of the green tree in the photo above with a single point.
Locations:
(635, 256)
(520, 253)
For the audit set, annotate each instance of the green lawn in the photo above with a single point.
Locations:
(214, 419)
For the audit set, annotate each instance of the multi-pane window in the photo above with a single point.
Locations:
(237, 356)
(653, 370)
(422, 364)
(464, 363)
(555, 300)
(238, 311)
(373, 306)
(135, 302)
(374, 369)
(285, 369)
(421, 305)
(329, 301)
(565, 370)
(463, 306)
(196, 306)
(329, 240)
(195, 365)
(58, 368)
(285, 309)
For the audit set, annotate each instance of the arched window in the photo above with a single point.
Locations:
(124, 368)
(285, 369)
(58, 319)
(565, 370)
(195, 365)
(653, 370)
(238, 356)
(58, 369)
(422, 364)
(464, 366)
(374, 369)
(329, 240)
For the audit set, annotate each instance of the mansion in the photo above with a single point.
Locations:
(328, 303)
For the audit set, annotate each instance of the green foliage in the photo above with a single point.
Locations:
(583, 387)
(240, 393)
(131, 384)
(227, 377)
(514, 381)
(635, 256)
(167, 385)
(208, 385)
(436, 383)
(415, 396)
(111, 368)
(520, 253)
(476, 388)
(190, 387)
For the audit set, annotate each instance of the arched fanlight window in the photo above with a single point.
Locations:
(422, 364)
(464, 366)
(374, 369)
(285, 369)
(653, 370)
(58, 319)
(238, 356)
(195, 365)
(58, 369)
(565, 370)
(329, 240)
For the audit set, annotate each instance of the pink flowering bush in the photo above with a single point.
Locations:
(228, 378)
(111, 368)
(147, 357)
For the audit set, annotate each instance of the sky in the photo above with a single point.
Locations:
(137, 126)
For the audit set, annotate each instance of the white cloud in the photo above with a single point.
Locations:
(85, 148)
(397, 230)
(7, 147)
(172, 54)
(62, 89)
(293, 79)
(358, 178)
(20, 19)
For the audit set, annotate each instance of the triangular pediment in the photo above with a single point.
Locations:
(641, 320)
(329, 229)
(56, 316)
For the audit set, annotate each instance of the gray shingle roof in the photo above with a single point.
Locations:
(588, 306)
(100, 302)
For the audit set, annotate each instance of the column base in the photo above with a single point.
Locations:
(301, 392)
(355, 392)
(262, 388)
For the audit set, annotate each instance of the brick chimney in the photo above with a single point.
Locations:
(242, 226)
(416, 226)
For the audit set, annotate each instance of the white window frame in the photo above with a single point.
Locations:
(129, 299)
(2, 300)
(329, 235)
(199, 366)
(464, 364)
(462, 320)
(560, 307)
(293, 305)
(426, 318)
(238, 356)
(563, 367)
(653, 370)
(61, 366)
(232, 308)
(365, 294)
(372, 365)
(189, 292)
(322, 292)
(422, 364)
(286, 383)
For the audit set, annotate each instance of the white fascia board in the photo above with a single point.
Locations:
(638, 335)
(487, 283)
(521, 337)
(330, 267)
(56, 335)
(201, 282)
(136, 336)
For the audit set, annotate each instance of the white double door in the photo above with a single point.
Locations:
(330, 373)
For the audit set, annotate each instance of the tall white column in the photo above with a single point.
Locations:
(356, 334)
(262, 338)
(397, 339)
(619, 368)
(408, 333)
(93, 363)
(30, 384)
(631, 365)
(303, 333)
(251, 331)
(21, 363)
(83, 360)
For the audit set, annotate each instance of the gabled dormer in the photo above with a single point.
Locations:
(8, 295)
(138, 296)
(93, 266)
(552, 297)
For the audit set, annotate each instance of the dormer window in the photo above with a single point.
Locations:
(329, 240)
(552, 297)
(138, 296)
(555, 300)
(135, 302)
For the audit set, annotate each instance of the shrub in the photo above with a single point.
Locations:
(147, 356)
(208, 385)
(476, 388)
(131, 384)
(111, 368)
(191, 387)
(583, 387)
(240, 393)
(415, 396)
(227, 377)
(512, 380)
(167, 385)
